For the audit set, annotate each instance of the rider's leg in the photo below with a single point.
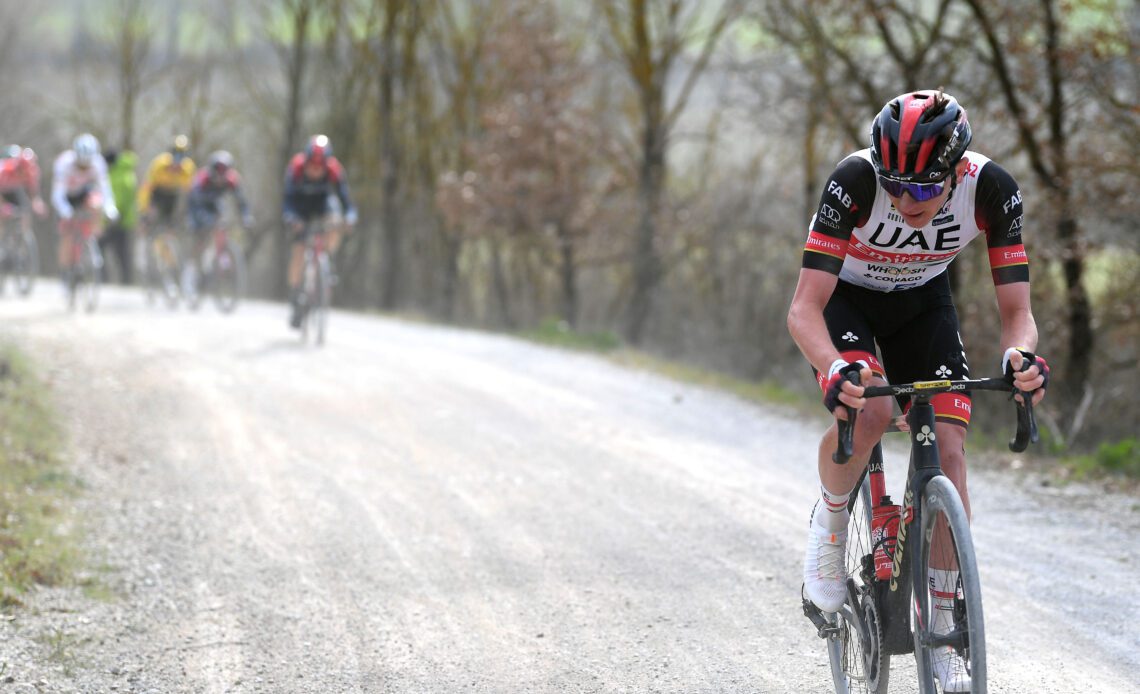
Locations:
(870, 425)
(66, 237)
(824, 567)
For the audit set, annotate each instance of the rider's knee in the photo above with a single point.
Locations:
(875, 417)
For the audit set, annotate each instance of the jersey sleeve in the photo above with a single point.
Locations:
(844, 204)
(998, 213)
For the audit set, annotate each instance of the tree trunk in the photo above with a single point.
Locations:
(390, 262)
(296, 76)
(647, 266)
(569, 275)
(1081, 338)
(501, 290)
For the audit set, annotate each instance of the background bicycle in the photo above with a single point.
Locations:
(160, 261)
(19, 253)
(316, 284)
(84, 266)
(222, 271)
(891, 550)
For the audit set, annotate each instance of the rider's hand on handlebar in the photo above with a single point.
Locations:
(838, 390)
(1034, 379)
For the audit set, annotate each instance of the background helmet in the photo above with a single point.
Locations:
(220, 162)
(86, 148)
(181, 148)
(319, 149)
(919, 136)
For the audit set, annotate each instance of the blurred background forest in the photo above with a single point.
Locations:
(645, 168)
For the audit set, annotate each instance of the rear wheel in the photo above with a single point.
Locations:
(957, 636)
(858, 663)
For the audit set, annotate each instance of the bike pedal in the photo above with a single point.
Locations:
(825, 629)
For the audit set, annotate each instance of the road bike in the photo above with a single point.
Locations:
(19, 254)
(223, 272)
(161, 263)
(891, 601)
(85, 260)
(317, 281)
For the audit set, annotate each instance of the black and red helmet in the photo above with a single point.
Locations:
(919, 136)
(319, 149)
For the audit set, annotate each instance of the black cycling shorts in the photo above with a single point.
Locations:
(916, 333)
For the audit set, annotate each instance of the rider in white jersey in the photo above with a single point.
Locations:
(873, 282)
(80, 182)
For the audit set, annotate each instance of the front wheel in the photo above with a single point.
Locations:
(227, 277)
(949, 634)
(24, 262)
(89, 272)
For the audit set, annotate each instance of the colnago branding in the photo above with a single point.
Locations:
(887, 254)
(900, 539)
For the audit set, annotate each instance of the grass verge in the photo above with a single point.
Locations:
(38, 543)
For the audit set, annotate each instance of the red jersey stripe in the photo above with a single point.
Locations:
(1007, 256)
(821, 243)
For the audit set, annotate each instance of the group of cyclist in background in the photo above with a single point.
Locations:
(96, 192)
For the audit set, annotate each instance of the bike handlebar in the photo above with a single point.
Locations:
(1026, 421)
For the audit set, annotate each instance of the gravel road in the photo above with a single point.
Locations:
(421, 509)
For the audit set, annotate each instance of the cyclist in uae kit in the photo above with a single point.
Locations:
(890, 220)
(316, 187)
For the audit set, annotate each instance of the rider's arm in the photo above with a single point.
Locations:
(60, 168)
(1018, 329)
(235, 185)
(340, 183)
(104, 180)
(998, 212)
(805, 318)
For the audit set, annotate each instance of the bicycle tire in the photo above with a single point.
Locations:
(324, 298)
(25, 264)
(858, 663)
(941, 500)
(90, 272)
(227, 277)
(167, 268)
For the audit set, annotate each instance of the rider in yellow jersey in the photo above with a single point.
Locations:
(167, 180)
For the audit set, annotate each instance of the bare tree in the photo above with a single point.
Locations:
(651, 39)
(538, 172)
(1047, 147)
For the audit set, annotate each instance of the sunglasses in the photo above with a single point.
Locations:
(921, 192)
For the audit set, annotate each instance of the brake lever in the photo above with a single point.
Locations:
(1026, 421)
(846, 446)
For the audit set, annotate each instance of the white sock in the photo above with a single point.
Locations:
(831, 512)
(943, 590)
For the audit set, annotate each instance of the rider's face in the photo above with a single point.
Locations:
(918, 214)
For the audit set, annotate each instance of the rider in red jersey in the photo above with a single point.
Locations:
(890, 220)
(20, 183)
(316, 187)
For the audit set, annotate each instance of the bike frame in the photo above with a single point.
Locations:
(895, 595)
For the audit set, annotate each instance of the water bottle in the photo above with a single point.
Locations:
(884, 531)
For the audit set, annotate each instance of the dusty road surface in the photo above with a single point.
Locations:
(421, 509)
